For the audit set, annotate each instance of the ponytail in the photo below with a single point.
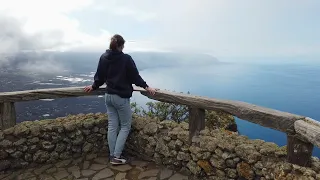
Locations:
(116, 42)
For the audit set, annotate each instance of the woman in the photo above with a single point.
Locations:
(119, 72)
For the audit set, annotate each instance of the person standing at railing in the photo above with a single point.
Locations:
(118, 70)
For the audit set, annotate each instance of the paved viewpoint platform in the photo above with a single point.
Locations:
(94, 167)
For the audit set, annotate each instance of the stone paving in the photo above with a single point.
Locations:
(94, 167)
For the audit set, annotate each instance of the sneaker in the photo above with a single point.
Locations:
(118, 161)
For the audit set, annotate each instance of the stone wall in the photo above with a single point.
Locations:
(215, 154)
(34, 142)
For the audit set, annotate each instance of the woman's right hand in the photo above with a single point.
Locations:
(152, 91)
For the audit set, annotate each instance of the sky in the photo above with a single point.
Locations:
(234, 28)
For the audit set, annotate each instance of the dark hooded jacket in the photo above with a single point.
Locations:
(119, 72)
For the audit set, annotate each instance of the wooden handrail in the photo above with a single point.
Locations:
(303, 132)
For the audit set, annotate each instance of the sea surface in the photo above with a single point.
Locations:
(290, 87)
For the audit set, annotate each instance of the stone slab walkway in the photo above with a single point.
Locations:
(94, 167)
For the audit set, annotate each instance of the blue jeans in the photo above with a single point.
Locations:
(119, 115)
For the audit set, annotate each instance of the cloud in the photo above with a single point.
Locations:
(43, 67)
(218, 27)
(225, 28)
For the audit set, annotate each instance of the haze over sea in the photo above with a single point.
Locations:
(283, 34)
(291, 86)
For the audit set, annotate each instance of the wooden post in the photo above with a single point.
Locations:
(299, 152)
(7, 115)
(196, 121)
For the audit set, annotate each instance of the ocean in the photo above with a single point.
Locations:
(290, 87)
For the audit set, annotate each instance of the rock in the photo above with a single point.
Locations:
(195, 150)
(165, 173)
(46, 177)
(121, 168)
(101, 160)
(105, 173)
(76, 149)
(120, 176)
(60, 147)
(231, 163)
(149, 173)
(28, 157)
(227, 155)
(86, 165)
(35, 130)
(88, 123)
(183, 136)
(206, 166)
(139, 163)
(33, 140)
(178, 143)
(87, 147)
(217, 162)
(168, 124)
(1, 136)
(218, 152)
(69, 126)
(91, 156)
(20, 142)
(248, 153)
(103, 131)
(244, 170)
(183, 156)
(87, 173)
(17, 154)
(97, 167)
(178, 176)
(78, 140)
(4, 164)
(41, 169)
(152, 178)
(48, 146)
(61, 174)
(161, 148)
(18, 163)
(75, 171)
(51, 170)
(151, 128)
(20, 130)
(268, 148)
(220, 174)
(208, 143)
(64, 163)
(22, 148)
(3, 154)
(315, 164)
(232, 173)
(11, 150)
(86, 132)
(167, 138)
(5, 143)
(194, 168)
(65, 155)
(92, 138)
(33, 148)
(40, 156)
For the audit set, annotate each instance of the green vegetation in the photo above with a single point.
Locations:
(179, 113)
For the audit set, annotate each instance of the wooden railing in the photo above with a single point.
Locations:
(302, 132)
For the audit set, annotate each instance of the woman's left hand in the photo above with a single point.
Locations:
(88, 89)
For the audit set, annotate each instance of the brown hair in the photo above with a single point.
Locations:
(116, 42)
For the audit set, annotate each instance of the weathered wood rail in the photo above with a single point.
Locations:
(302, 132)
